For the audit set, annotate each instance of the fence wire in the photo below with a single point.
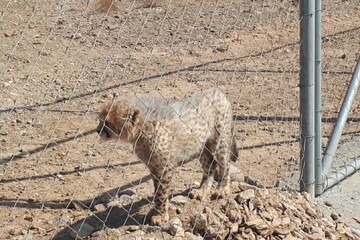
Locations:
(61, 60)
(340, 54)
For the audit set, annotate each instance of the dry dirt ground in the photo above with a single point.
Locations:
(60, 60)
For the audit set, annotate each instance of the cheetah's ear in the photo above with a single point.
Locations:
(135, 115)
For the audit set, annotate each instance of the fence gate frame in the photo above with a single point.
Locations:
(315, 165)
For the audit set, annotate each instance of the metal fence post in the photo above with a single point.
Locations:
(345, 171)
(307, 96)
(341, 119)
(319, 181)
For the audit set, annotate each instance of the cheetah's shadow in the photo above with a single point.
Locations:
(114, 217)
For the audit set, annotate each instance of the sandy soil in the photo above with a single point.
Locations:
(59, 61)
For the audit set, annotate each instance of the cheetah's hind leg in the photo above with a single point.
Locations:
(208, 166)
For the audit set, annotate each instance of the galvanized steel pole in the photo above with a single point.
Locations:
(307, 96)
(345, 171)
(319, 181)
(341, 119)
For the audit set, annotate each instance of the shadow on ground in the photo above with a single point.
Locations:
(114, 217)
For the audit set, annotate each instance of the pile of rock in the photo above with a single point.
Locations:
(263, 213)
(250, 213)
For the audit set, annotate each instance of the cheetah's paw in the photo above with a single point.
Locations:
(198, 194)
(157, 218)
(222, 192)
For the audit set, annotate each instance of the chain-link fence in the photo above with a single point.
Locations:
(316, 163)
(62, 60)
(340, 53)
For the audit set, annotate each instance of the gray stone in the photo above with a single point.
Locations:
(99, 207)
(200, 221)
(179, 200)
(190, 236)
(176, 228)
(233, 215)
(253, 221)
(245, 195)
(64, 220)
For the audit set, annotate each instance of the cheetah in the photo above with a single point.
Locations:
(165, 133)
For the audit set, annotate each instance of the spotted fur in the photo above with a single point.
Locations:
(167, 133)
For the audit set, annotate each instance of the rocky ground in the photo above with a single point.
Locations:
(250, 213)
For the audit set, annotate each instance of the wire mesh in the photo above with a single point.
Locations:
(340, 54)
(61, 60)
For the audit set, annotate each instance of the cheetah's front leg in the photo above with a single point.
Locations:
(159, 213)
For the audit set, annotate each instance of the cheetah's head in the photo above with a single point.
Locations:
(118, 120)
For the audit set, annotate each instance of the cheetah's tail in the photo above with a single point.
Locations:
(234, 155)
